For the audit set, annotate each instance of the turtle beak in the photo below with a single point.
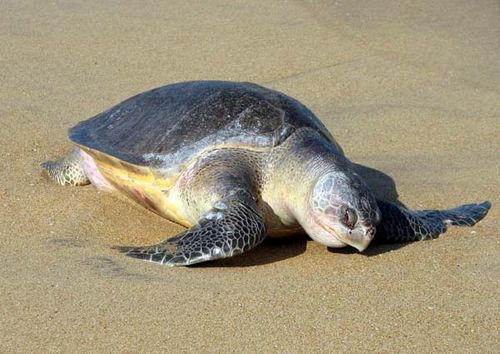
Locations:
(362, 243)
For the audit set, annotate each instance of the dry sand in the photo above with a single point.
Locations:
(408, 88)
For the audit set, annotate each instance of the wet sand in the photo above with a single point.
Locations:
(408, 88)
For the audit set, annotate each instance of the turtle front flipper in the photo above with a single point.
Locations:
(402, 225)
(229, 229)
(68, 170)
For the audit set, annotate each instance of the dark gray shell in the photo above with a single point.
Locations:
(168, 125)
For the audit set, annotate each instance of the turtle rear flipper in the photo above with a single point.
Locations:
(227, 230)
(68, 170)
(402, 225)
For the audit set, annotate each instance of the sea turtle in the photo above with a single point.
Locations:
(234, 162)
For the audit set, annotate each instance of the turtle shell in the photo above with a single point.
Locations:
(166, 126)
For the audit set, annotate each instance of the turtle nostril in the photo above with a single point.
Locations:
(370, 232)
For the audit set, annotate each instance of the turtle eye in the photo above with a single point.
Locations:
(349, 217)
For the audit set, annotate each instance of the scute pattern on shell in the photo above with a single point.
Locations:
(170, 124)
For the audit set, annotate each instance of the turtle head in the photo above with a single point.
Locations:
(342, 211)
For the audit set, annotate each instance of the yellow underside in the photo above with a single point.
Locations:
(141, 185)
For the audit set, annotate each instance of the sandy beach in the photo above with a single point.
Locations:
(409, 89)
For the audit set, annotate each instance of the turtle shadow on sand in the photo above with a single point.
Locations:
(381, 184)
(274, 250)
(270, 251)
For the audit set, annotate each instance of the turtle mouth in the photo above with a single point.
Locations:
(331, 231)
(337, 240)
(360, 246)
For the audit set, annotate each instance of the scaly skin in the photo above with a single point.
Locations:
(68, 170)
(292, 170)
